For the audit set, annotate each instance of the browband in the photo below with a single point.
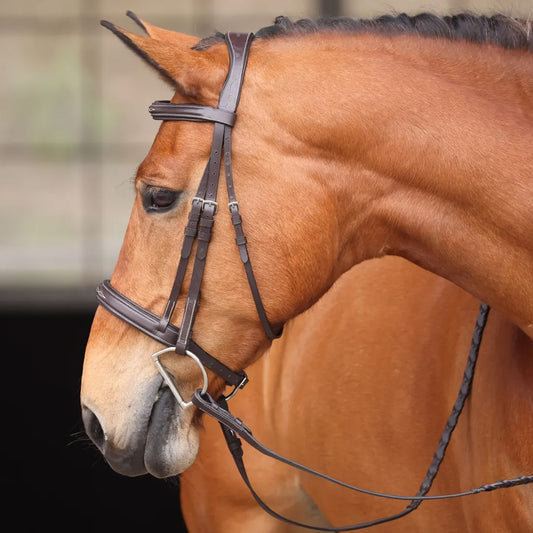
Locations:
(165, 110)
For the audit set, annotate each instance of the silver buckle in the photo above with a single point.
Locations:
(204, 202)
(198, 199)
(237, 388)
(213, 203)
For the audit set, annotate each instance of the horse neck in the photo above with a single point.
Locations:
(429, 158)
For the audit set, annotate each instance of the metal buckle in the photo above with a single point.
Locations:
(204, 202)
(213, 203)
(170, 381)
(233, 204)
(237, 388)
(198, 199)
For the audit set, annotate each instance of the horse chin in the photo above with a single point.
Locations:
(172, 439)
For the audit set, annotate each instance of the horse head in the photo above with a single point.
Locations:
(345, 148)
(128, 409)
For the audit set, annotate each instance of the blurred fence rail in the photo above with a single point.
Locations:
(75, 125)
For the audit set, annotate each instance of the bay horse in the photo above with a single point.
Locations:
(363, 150)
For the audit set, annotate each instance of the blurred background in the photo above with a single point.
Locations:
(74, 127)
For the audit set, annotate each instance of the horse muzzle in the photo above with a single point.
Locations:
(157, 438)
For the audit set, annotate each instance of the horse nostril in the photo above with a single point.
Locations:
(93, 428)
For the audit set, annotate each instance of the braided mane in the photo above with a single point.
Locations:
(500, 30)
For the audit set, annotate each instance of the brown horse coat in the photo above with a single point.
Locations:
(348, 147)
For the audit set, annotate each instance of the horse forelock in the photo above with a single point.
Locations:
(500, 30)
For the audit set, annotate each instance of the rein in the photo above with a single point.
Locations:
(199, 226)
(233, 428)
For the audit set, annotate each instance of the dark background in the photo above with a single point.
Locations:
(53, 476)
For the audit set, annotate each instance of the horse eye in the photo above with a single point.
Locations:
(162, 197)
(159, 200)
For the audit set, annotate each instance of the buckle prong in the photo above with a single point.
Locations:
(233, 204)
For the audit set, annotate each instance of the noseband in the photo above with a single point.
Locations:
(199, 226)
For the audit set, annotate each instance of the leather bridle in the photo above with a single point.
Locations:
(199, 226)
(200, 223)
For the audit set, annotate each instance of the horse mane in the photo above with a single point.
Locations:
(499, 30)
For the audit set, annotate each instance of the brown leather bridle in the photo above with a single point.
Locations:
(201, 218)
(200, 223)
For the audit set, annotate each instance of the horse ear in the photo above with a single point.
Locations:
(195, 74)
(153, 31)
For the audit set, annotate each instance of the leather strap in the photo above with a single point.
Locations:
(224, 116)
(165, 110)
(238, 46)
(189, 236)
(199, 225)
(233, 428)
(147, 322)
(240, 240)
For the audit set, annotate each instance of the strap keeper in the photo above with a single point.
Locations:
(181, 347)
